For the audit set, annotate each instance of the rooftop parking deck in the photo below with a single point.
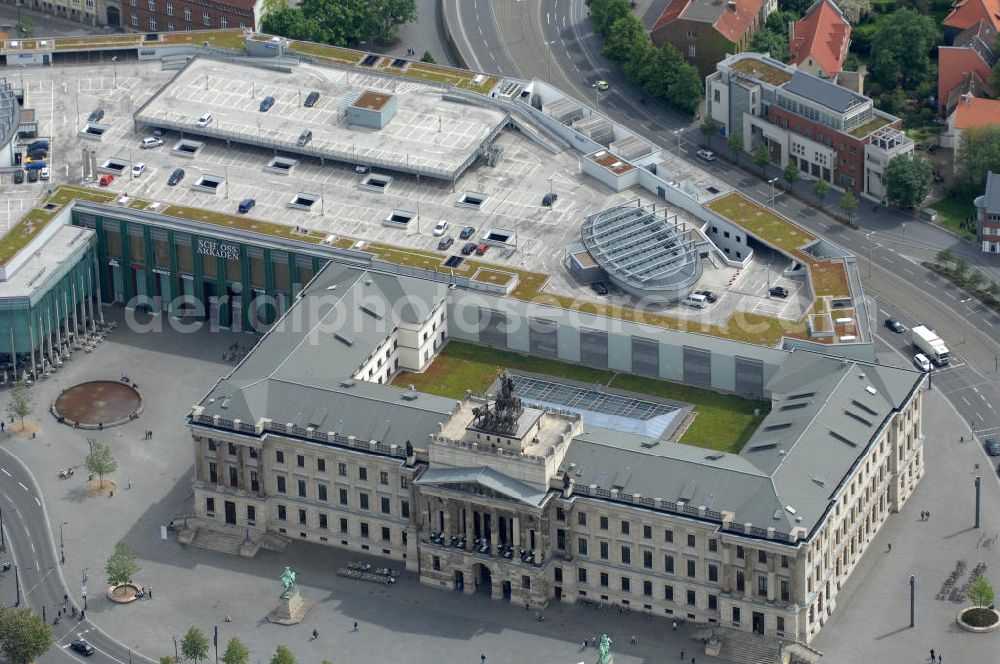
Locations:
(428, 135)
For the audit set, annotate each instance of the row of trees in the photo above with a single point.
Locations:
(661, 72)
(339, 22)
(974, 281)
(194, 646)
(978, 153)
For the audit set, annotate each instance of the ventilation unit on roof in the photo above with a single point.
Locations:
(818, 479)
(760, 447)
(843, 439)
(347, 341)
(371, 312)
(410, 396)
(790, 509)
(779, 425)
(864, 407)
(870, 390)
(347, 383)
(777, 514)
(714, 456)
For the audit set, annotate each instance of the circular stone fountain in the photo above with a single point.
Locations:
(97, 404)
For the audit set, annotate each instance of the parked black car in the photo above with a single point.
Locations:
(467, 233)
(266, 104)
(446, 242)
(311, 99)
(468, 248)
(708, 295)
(176, 176)
(33, 175)
(96, 115)
(599, 287)
(992, 447)
(82, 647)
(18, 176)
(778, 291)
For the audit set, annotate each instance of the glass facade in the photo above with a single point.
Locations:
(229, 282)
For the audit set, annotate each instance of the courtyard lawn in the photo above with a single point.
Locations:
(722, 422)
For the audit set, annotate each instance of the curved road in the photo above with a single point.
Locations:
(31, 548)
(552, 40)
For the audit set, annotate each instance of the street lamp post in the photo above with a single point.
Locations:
(978, 483)
(771, 182)
(913, 585)
(176, 654)
(114, 68)
(1, 530)
(547, 44)
(17, 584)
(62, 549)
(869, 236)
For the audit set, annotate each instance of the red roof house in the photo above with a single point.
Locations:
(818, 41)
(705, 31)
(966, 13)
(968, 61)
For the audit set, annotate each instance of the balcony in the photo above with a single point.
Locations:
(481, 547)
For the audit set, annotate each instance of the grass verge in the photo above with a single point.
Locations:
(723, 422)
(953, 215)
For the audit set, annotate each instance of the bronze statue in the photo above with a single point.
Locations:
(287, 583)
(506, 410)
(604, 650)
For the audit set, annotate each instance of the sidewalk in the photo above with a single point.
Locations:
(871, 622)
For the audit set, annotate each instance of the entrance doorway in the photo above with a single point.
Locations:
(114, 17)
(505, 586)
(758, 622)
(230, 512)
(459, 581)
(484, 579)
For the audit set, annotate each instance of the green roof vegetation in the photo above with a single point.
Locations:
(828, 276)
(761, 71)
(722, 422)
(232, 40)
(242, 222)
(96, 41)
(343, 56)
(497, 277)
(876, 122)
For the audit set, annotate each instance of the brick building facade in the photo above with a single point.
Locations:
(179, 15)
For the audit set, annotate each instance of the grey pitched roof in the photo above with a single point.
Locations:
(828, 94)
(300, 372)
(981, 38)
(825, 416)
(485, 477)
(990, 200)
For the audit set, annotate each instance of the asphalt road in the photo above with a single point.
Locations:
(31, 547)
(552, 40)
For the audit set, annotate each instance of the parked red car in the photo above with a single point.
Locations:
(481, 249)
(106, 180)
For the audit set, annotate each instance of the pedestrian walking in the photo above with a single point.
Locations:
(584, 645)
(355, 625)
(633, 639)
(315, 633)
(675, 625)
(682, 655)
(932, 654)
(593, 642)
(889, 550)
(940, 658)
(129, 483)
(150, 591)
(1, 426)
(482, 659)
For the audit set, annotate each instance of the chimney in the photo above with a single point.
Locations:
(967, 98)
(731, 4)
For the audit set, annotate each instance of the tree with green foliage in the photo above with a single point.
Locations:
(269, 6)
(945, 257)
(791, 173)
(19, 402)
(908, 181)
(679, 84)
(820, 189)
(708, 129)
(778, 21)
(901, 47)
(762, 157)
(627, 44)
(428, 57)
(341, 22)
(282, 655)
(960, 269)
(796, 7)
(975, 280)
(166, 659)
(849, 204)
(981, 592)
(735, 143)
(24, 635)
(855, 10)
(978, 153)
(769, 41)
(236, 652)
(604, 13)
(194, 645)
(100, 461)
(122, 565)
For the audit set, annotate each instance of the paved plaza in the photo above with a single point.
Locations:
(197, 587)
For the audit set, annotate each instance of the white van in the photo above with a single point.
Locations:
(695, 300)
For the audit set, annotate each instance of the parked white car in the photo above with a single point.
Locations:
(441, 227)
(204, 120)
(151, 142)
(138, 169)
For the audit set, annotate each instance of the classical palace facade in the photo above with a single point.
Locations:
(305, 440)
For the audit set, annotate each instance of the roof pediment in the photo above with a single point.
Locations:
(483, 481)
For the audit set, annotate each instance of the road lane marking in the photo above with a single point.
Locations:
(5, 472)
(967, 402)
(980, 416)
(37, 501)
(21, 484)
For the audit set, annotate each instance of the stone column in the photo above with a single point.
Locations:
(31, 339)
(59, 339)
(517, 535)
(772, 582)
(48, 335)
(469, 530)
(447, 521)
(76, 320)
(493, 530)
(97, 290)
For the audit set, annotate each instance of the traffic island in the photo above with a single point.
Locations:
(979, 619)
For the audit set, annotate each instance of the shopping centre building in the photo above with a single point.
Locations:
(538, 489)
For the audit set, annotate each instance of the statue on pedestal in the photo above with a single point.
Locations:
(604, 655)
(287, 583)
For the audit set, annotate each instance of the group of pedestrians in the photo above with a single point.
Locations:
(940, 657)
(924, 515)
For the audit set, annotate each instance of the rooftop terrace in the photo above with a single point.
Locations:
(759, 70)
